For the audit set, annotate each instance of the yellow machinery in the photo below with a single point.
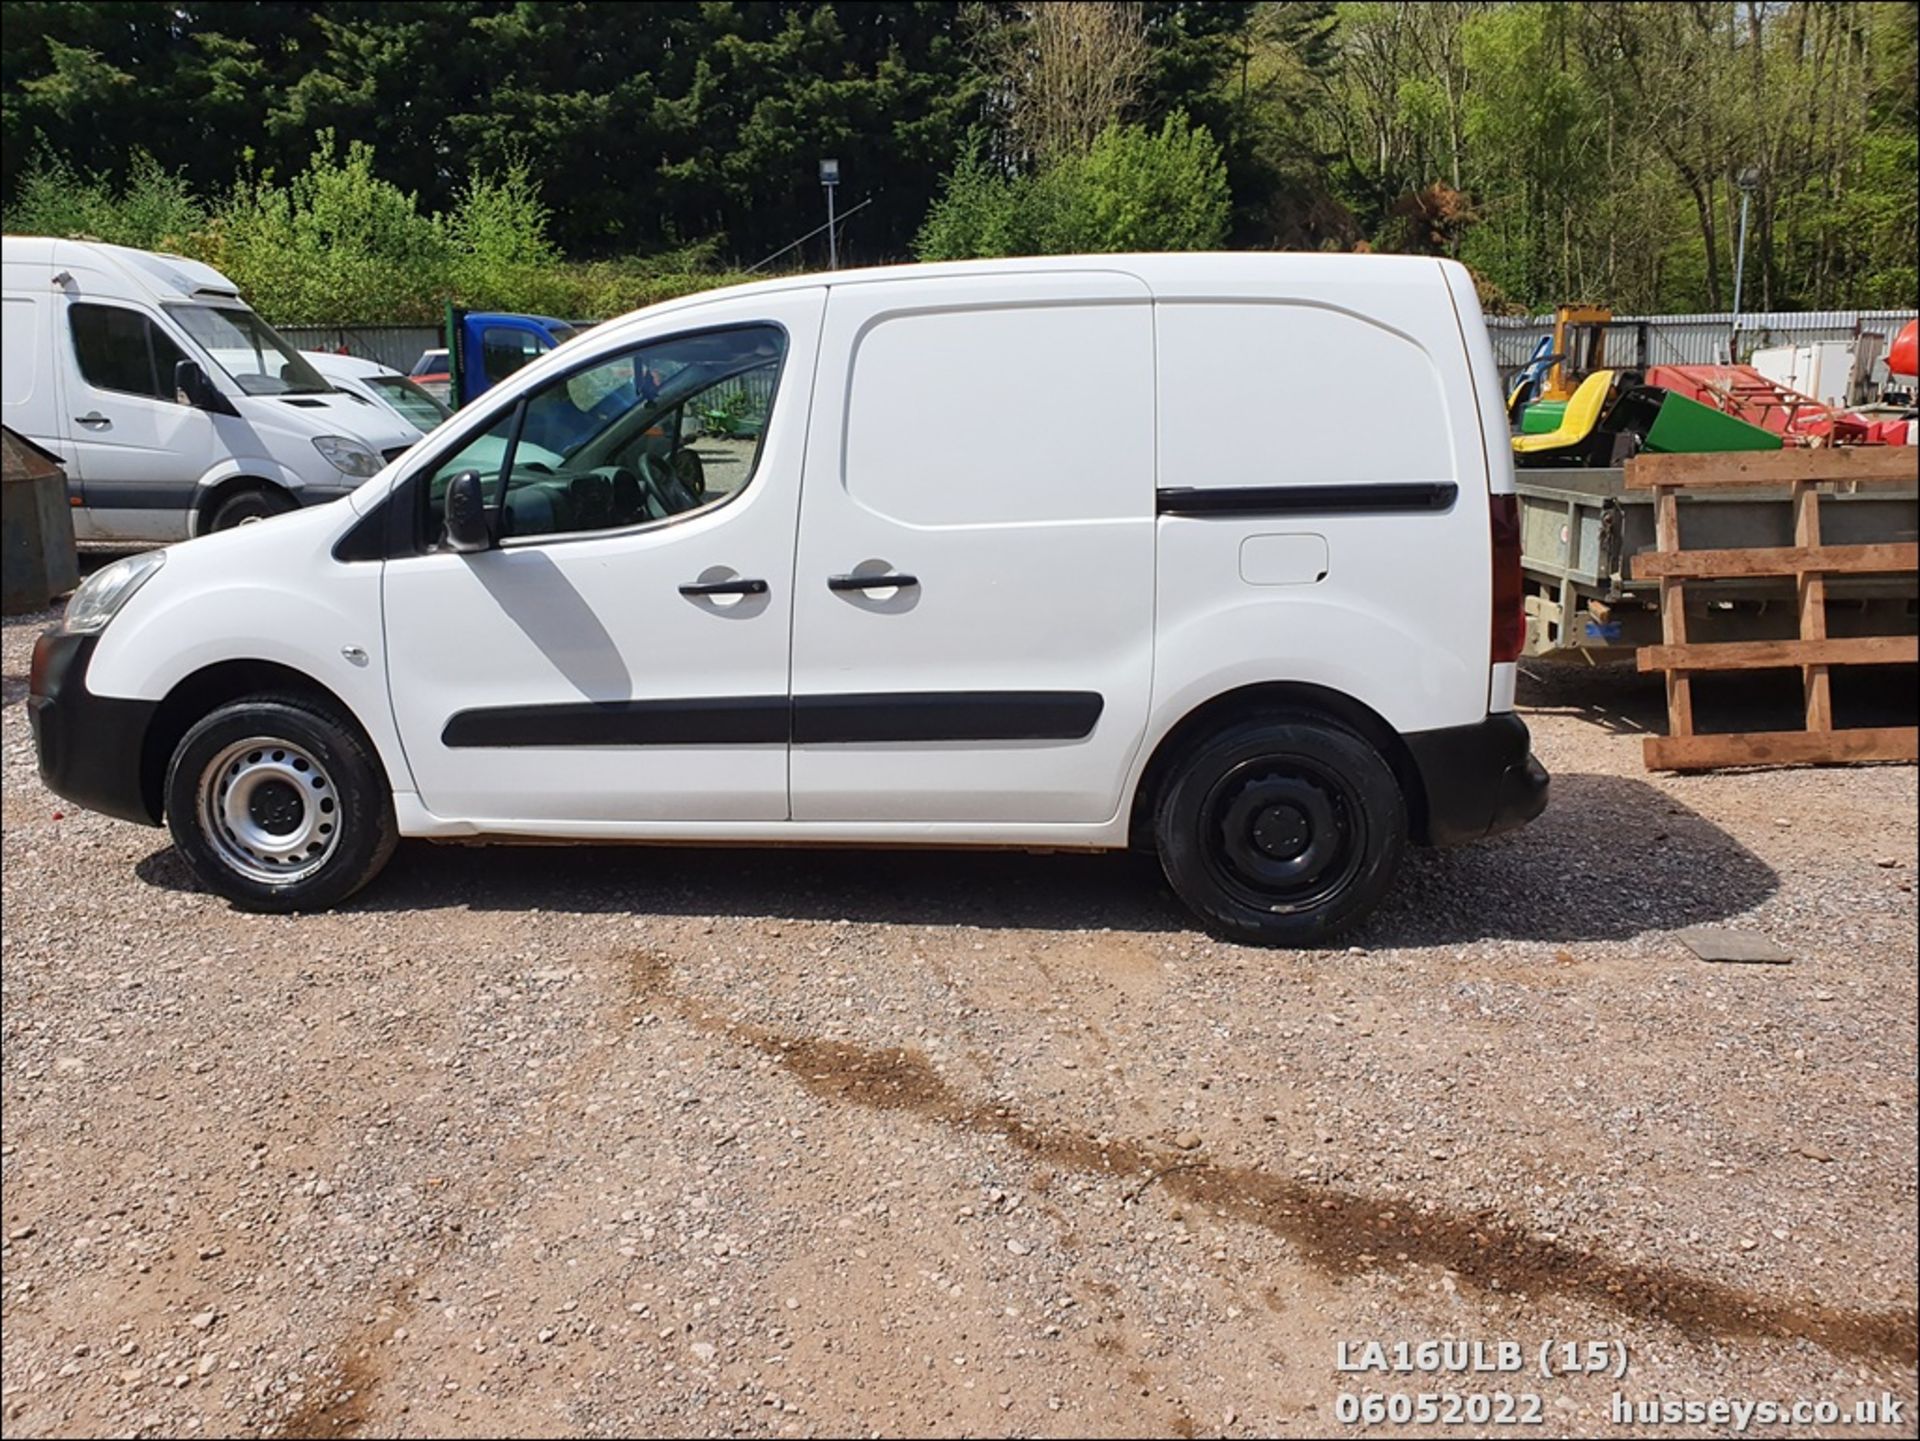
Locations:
(1579, 348)
(1576, 422)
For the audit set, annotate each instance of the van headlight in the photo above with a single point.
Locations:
(348, 456)
(103, 593)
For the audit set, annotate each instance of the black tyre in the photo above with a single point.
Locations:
(279, 804)
(253, 503)
(1282, 829)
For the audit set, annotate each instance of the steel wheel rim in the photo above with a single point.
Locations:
(270, 810)
(1283, 834)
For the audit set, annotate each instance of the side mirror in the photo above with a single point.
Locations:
(467, 528)
(190, 382)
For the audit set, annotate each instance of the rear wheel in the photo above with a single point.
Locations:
(279, 805)
(253, 503)
(1282, 829)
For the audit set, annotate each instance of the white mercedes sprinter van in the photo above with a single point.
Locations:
(1075, 552)
(174, 408)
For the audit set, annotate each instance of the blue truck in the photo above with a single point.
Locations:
(484, 348)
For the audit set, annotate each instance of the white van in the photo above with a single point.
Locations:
(1073, 552)
(379, 385)
(175, 409)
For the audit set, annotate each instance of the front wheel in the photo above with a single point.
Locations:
(279, 805)
(1282, 829)
(251, 504)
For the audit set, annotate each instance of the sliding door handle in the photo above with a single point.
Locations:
(887, 580)
(724, 587)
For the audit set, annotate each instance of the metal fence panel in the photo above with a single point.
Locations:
(1638, 341)
(398, 346)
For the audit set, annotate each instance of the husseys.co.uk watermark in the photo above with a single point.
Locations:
(1886, 1409)
(1557, 1359)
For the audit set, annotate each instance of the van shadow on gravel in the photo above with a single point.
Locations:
(1611, 857)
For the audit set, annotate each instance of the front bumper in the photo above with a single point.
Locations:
(1478, 779)
(91, 747)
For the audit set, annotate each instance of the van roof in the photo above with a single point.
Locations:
(157, 276)
(1214, 274)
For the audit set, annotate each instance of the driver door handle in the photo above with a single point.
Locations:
(887, 580)
(93, 417)
(724, 587)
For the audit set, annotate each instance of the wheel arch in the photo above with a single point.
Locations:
(1231, 706)
(198, 694)
(213, 494)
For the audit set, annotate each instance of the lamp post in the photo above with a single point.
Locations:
(829, 180)
(1748, 180)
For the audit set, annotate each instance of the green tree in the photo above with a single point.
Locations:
(1135, 189)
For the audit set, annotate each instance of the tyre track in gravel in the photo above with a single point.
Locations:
(1338, 1232)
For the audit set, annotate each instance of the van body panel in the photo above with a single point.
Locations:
(993, 439)
(32, 393)
(1263, 390)
(590, 689)
(228, 598)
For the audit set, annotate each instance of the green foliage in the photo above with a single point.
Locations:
(1577, 150)
(1133, 190)
(154, 210)
(336, 240)
(1138, 190)
(338, 245)
(981, 212)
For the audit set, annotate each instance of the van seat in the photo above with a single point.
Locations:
(1577, 421)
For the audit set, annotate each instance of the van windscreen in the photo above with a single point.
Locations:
(249, 350)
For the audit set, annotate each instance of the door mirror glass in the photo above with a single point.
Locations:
(467, 528)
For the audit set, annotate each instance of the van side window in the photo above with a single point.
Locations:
(663, 429)
(120, 349)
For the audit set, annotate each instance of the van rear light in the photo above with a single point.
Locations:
(1509, 608)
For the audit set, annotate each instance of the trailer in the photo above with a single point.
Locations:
(1580, 530)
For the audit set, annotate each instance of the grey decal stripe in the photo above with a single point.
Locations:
(167, 495)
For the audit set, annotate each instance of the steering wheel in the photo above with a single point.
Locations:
(664, 488)
(690, 470)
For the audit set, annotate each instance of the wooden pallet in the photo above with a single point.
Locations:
(1809, 563)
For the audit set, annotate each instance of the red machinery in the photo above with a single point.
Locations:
(1901, 358)
(1742, 391)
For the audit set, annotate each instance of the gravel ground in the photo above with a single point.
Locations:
(549, 1140)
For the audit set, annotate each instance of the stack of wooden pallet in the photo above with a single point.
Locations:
(1809, 562)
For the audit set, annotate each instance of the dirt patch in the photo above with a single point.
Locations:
(1341, 1233)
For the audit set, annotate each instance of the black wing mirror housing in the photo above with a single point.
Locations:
(190, 381)
(467, 527)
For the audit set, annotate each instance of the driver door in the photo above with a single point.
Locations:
(621, 655)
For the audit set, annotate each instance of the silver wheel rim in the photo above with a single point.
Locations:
(270, 810)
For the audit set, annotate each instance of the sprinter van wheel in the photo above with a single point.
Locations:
(254, 503)
(279, 805)
(1281, 829)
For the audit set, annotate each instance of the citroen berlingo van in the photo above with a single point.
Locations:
(1214, 554)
